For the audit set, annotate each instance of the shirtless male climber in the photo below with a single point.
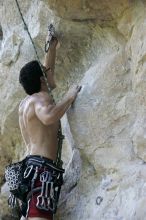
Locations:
(39, 123)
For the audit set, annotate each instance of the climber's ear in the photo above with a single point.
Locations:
(42, 79)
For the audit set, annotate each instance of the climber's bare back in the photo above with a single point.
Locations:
(40, 139)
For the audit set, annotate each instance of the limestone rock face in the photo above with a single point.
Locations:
(103, 49)
(89, 9)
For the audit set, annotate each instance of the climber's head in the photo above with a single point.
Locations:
(30, 77)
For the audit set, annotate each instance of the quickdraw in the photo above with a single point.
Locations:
(51, 33)
(43, 200)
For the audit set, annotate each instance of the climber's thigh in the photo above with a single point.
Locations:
(38, 218)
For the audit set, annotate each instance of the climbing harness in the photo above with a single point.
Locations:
(36, 168)
(51, 181)
(18, 175)
(50, 176)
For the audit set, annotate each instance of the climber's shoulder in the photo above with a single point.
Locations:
(38, 101)
(26, 103)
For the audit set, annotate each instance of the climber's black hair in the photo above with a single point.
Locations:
(29, 77)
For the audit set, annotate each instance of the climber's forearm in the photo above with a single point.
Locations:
(49, 61)
(60, 109)
(62, 106)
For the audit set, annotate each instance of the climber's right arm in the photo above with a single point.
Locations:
(49, 113)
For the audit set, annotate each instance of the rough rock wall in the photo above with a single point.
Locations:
(102, 48)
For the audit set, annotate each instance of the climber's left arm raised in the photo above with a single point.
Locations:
(50, 56)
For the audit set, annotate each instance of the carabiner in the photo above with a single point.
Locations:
(28, 171)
